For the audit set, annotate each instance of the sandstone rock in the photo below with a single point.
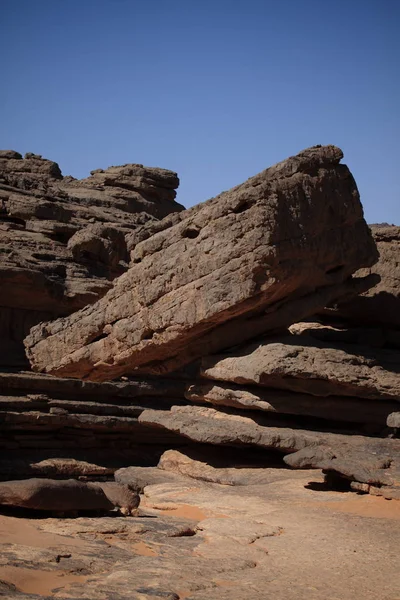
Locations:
(96, 242)
(393, 420)
(138, 478)
(254, 259)
(30, 172)
(121, 496)
(354, 457)
(68, 495)
(202, 464)
(369, 462)
(54, 495)
(381, 304)
(165, 555)
(305, 365)
(62, 241)
(342, 333)
(41, 387)
(52, 467)
(250, 397)
(94, 425)
(207, 425)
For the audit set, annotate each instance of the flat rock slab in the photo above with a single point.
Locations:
(202, 464)
(358, 458)
(256, 258)
(311, 366)
(68, 495)
(331, 408)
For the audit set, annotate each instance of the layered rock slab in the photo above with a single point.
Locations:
(306, 365)
(68, 495)
(256, 258)
(356, 458)
(331, 408)
(84, 428)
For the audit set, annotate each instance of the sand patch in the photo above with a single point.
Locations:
(143, 549)
(21, 531)
(366, 506)
(187, 511)
(34, 581)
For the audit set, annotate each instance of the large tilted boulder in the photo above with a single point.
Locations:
(254, 259)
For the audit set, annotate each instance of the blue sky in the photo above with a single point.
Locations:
(215, 90)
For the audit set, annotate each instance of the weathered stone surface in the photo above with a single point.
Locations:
(349, 455)
(207, 425)
(95, 425)
(381, 304)
(393, 420)
(121, 496)
(277, 244)
(371, 462)
(68, 495)
(203, 464)
(250, 397)
(342, 333)
(63, 241)
(138, 478)
(53, 494)
(25, 382)
(35, 465)
(202, 540)
(306, 365)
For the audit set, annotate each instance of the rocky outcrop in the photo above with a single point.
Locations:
(64, 427)
(257, 258)
(205, 323)
(359, 459)
(63, 241)
(229, 453)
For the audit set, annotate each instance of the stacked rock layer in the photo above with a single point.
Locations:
(259, 319)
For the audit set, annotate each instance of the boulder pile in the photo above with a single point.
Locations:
(260, 319)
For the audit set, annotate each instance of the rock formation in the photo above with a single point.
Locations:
(254, 259)
(379, 306)
(205, 326)
(68, 495)
(63, 241)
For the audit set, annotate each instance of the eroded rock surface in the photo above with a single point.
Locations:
(254, 259)
(68, 495)
(357, 458)
(63, 241)
(201, 540)
(332, 408)
(306, 365)
(381, 304)
(258, 436)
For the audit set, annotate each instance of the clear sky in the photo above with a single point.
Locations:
(215, 90)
